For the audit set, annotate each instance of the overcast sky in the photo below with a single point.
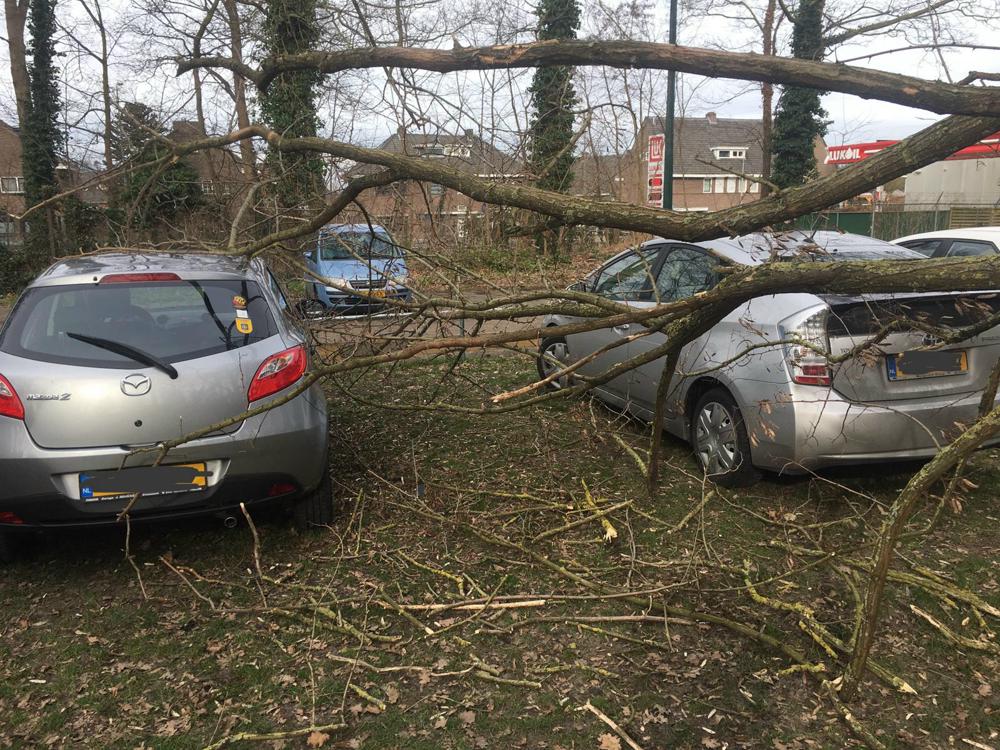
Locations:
(852, 119)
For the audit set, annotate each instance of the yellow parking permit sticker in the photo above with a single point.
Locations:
(244, 326)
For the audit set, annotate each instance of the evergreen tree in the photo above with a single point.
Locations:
(800, 117)
(289, 104)
(40, 133)
(149, 194)
(553, 98)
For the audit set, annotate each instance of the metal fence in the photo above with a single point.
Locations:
(889, 221)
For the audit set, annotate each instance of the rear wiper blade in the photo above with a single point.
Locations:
(127, 351)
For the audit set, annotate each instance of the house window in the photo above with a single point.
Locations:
(742, 185)
(706, 185)
(14, 185)
(720, 184)
(754, 187)
(432, 150)
(730, 153)
(730, 184)
(463, 152)
(436, 189)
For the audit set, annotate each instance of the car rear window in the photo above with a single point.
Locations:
(172, 320)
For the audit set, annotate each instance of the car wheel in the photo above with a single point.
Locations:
(316, 508)
(311, 309)
(553, 353)
(720, 440)
(7, 552)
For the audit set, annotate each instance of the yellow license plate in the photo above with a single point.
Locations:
(376, 292)
(931, 364)
(147, 481)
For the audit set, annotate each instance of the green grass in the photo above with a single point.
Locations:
(169, 670)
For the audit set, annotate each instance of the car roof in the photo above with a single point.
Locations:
(759, 247)
(83, 269)
(991, 234)
(353, 228)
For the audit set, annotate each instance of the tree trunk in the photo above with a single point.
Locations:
(767, 100)
(17, 15)
(247, 155)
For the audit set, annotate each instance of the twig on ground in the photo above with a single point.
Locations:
(588, 706)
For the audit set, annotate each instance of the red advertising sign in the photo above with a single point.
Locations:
(654, 171)
(855, 152)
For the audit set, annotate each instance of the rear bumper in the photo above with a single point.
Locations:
(817, 428)
(56, 511)
(287, 445)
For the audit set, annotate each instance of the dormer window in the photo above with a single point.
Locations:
(431, 149)
(730, 153)
(457, 149)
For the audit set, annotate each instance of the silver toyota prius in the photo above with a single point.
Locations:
(758, 390)
(105, 355)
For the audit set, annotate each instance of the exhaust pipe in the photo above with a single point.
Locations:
(230, 522)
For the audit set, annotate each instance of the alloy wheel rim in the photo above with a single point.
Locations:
(715, 439)
(553, 357)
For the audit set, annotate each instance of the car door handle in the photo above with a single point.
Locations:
(622, 329)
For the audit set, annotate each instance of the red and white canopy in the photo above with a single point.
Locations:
(854, 152)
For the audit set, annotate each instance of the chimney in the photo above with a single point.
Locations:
(712, 120)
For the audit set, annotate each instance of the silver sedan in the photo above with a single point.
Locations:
(756, 391)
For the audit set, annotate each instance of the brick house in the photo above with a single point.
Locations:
(715, 161)
(220, 171)
(69, 174)
(599, 176)
(421, 213)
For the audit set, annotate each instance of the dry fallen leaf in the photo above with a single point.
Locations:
(467, 717)
(391, 694)
(986, 690)
(440, 722)
(317, 739)
(608, 741)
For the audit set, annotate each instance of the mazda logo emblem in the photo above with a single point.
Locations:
(136, 384)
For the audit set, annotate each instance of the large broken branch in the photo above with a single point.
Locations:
(936, 96)
(925, 147)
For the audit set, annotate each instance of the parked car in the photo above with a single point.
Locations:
(954, 243)
(365, 264)
(785, 408)
(108, 353)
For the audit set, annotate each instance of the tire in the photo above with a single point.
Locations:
(552, 347)
(720, 440)
(310, 309)
(7, 552)
(316, 508)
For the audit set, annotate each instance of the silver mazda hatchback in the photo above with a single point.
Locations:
(105, 355)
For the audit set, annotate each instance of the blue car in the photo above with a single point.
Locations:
(367, 265)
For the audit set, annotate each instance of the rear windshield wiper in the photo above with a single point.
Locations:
(125, 350)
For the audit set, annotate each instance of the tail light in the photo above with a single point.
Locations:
(10, 404)
(278, 371)
(806, 363)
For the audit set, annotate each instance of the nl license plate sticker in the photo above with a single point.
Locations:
(149, 481)
(912, 365)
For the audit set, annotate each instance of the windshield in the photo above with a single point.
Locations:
(173, 321)
(354, 245)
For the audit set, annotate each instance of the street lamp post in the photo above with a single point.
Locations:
(668, 129)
